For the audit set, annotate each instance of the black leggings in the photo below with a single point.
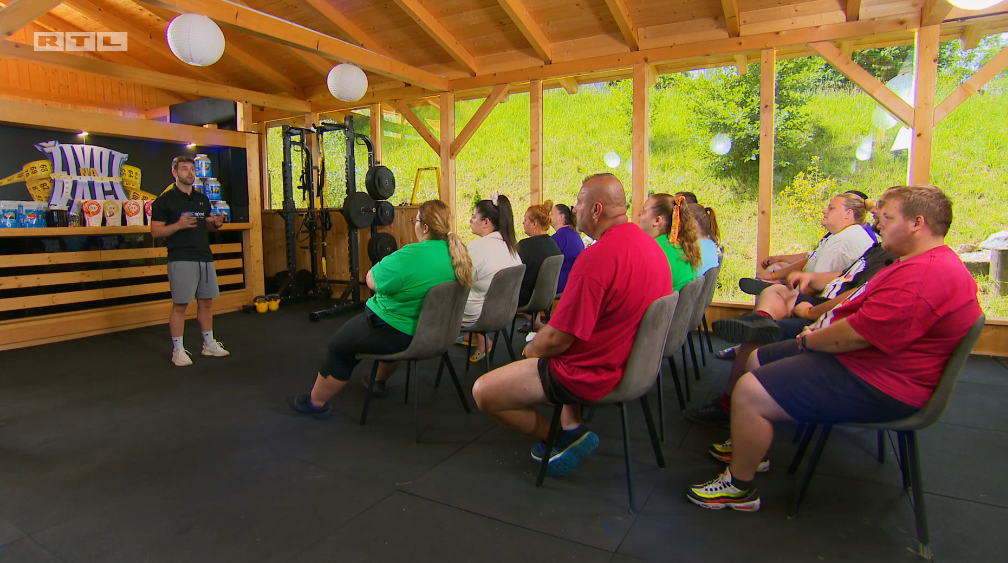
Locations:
(364, 334)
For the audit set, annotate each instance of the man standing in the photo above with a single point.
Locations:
(182, 217)
(580, 355)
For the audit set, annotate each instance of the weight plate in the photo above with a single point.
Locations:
(380, 246)
(384, 213)
(380, 182)
(359, 210)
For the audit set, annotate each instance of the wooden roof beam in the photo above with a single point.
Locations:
(170, 82)
(741, 63)
(495, 97)
(731, 16)
(934, 11)
(872, 86)
(284, 32)
(344, 24)
(620, 13)
(442, 36)
(418, 124)
(853, 10)
(988, 71)
(570, 84)
(972, 34)
(529, 28)
(20, 13)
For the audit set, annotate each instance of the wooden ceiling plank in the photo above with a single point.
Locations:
(620, 13)
(439, 33)
(418, 124)
(872, 86)
(346, 26)
(988, 71)
(258, 65)
(853, 10)
(934, 11)
(170, 82)
(528, 27)
(284, 32)
(20, 13)
(495, 97)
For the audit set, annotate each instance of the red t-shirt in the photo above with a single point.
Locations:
(609, 287)
(913, 313)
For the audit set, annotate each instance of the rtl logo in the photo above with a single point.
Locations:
(80, 41)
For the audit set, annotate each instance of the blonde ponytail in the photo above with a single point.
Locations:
(435, 215)
(461, 261)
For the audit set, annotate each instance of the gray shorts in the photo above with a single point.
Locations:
(190, 280)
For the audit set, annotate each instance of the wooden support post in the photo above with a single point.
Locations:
(244, 117)
(536, 142)
(376, 130)
(638, 174)
(252, 240)
(768, 101)
(264, 178)
(310, 119)
(448, 194)
(925, 84)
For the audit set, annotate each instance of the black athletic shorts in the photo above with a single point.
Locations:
(815, 387)
(810, 299)
(556, 393)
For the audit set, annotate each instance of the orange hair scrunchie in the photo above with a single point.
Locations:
(673, 235)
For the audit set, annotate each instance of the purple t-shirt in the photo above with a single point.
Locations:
(571, 245)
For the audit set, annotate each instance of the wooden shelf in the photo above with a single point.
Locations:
(99, 231)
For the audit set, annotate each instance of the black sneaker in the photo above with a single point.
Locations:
(753, 286)
(752, 327)
(711, 414)
(379, 391)
(302, 404)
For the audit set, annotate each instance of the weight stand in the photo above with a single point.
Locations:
(297, 137)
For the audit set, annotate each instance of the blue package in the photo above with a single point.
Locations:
(8, 214)
(31, 215)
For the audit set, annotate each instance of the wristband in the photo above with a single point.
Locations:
(807, 311)
(802, 343)
(774, 276)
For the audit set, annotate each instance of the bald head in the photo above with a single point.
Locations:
(601, 204)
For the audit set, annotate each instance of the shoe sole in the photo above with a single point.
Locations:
(763, 466)
(753, 286)
(181, 365)
(734, 331)
(565, 461)
(213, 355)
(750, 506)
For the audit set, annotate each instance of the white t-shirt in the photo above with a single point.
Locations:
(490, 255)
(838, 251)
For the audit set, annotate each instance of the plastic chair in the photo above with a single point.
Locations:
(544, 292)
(679, 329)
(710, 278)
(639, 376)
(440, 319)
(906, 432)
(498, 309)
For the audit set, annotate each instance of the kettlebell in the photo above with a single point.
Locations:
(261, 304)
(273, 301)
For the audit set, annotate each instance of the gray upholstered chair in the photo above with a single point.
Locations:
(440, 319)
(703, 319)
(706, 296)
(679, 330)
(498, 310)
(906, 434)
(544, 291)
(639, 377)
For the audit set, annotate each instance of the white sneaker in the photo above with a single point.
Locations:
(181, 358)
(215, 349)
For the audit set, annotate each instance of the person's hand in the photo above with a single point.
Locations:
(767, 261)
(801, 310)
(799, 281)
(805, 331)
(218, 220)
(528, 352)
(186, 221)
(766, 275)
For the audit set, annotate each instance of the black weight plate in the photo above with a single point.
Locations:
(359, 210)
(380, 246)
(384, 213)
(372, 250)
(380, 182)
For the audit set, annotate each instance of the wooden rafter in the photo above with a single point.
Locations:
(731, 16)
(344, 24)
(418, 124)
(872, 86)
(284, 32)
(972, 34)
(311, 59)
(620, 13)
(528, 27)
(170, 82)
(442, 36)
(20, 13)
(934, 11)
(478, 118)
(988, 71)
(853, 10)
(257, 64)
(569, 83)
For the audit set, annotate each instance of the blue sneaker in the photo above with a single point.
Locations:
(570, 447)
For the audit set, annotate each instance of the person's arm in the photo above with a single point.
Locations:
(548, 343)
(782, 274)
(836, 338)
(161, 230)
(214, 223)
(805, 280)
(786, 258)
(370, 282)
(805, 310)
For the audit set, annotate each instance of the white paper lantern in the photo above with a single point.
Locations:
(720, 144)
(973, 4)
(347, 82)
(611, 159)
(196, 39)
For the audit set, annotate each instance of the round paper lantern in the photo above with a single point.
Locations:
(196, 39)
(347, 82)
(612, 159)
(973, 4)
(720, 144)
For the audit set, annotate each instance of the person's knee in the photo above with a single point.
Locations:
(179, 308)
(752, 362)
(745, 391)
(481, 395)
(204, 303)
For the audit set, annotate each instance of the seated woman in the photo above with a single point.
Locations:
(567, 239)
(536, 248)
(399, 282)
(669, 221)
(495, 249)
(709, 239)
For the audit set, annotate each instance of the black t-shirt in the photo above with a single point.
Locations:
(190, 245)
(862, 270)
(533, 251)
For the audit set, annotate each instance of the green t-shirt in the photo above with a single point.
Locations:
(403, 278)
(682, 270)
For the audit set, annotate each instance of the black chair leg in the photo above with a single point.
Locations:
(706, 329)
(587, 413)
(810, 468)
(445, 360)
(881, 447)
(917, 488)
(416, 402)
(626, 455)
(685, 368)
(367, 398)
(550, 441)
(659, 458)
(703, 354)
(409, 373)
(798, 433)
(678, 388)
(489, 351)
(904, 465)
(806, 438)
(510, 349)
(469, 352)
(440, 369)
(692, 351)
(514, 322)
(661, 405)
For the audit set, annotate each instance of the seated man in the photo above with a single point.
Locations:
(579, 356)
(764, 327)
(878, 360)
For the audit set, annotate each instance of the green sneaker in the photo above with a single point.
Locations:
(722, 452)
(720, 493)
